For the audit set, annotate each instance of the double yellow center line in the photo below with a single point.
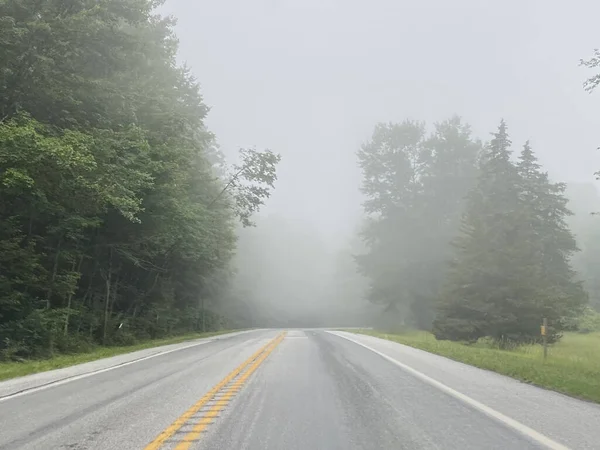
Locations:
(218, 398)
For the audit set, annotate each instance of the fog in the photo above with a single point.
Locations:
(310, 79)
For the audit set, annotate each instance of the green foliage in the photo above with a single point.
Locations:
(512, 260)
(463, 240)
(593, 63)
(589, 321)
(117, 216)
(250, 183)
(415, 186)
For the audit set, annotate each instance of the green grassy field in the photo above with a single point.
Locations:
(18, 369)
(572, 367)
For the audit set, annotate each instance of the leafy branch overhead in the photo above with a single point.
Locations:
(250, 183)
(593, 63)
(592, 83)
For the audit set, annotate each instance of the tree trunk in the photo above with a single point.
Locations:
(70, 298)
(86, 296)
(54, 270)
(114, 294)
(107, 298)
(203, 321)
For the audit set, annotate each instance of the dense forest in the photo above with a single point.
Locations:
(118, 214)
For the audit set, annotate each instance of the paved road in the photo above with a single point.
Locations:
(307, 389)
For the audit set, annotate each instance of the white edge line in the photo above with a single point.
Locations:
(60, 381)
(523, 429)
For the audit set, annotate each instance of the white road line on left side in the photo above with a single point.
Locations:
(106, 369)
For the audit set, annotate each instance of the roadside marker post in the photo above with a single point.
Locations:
(544, 329)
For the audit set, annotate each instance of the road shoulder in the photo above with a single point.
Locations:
(16, 386)
(570, 421)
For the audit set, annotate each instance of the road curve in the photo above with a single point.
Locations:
(304, 389)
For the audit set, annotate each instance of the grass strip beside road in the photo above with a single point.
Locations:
(572, 367)
(10, 370)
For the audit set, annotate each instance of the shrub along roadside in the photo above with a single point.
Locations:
(18, 369)
(572, 367)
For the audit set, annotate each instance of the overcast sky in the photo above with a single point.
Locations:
(310, 79)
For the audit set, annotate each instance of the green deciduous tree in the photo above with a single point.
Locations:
(392, 169)
(449, 173)
(415, 185)
(117, 213)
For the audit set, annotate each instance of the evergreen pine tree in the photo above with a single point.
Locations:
(558, 295)
(512, 265)
(485, 281)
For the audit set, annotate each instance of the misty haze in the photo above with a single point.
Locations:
(311, 79)
(280, 224)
